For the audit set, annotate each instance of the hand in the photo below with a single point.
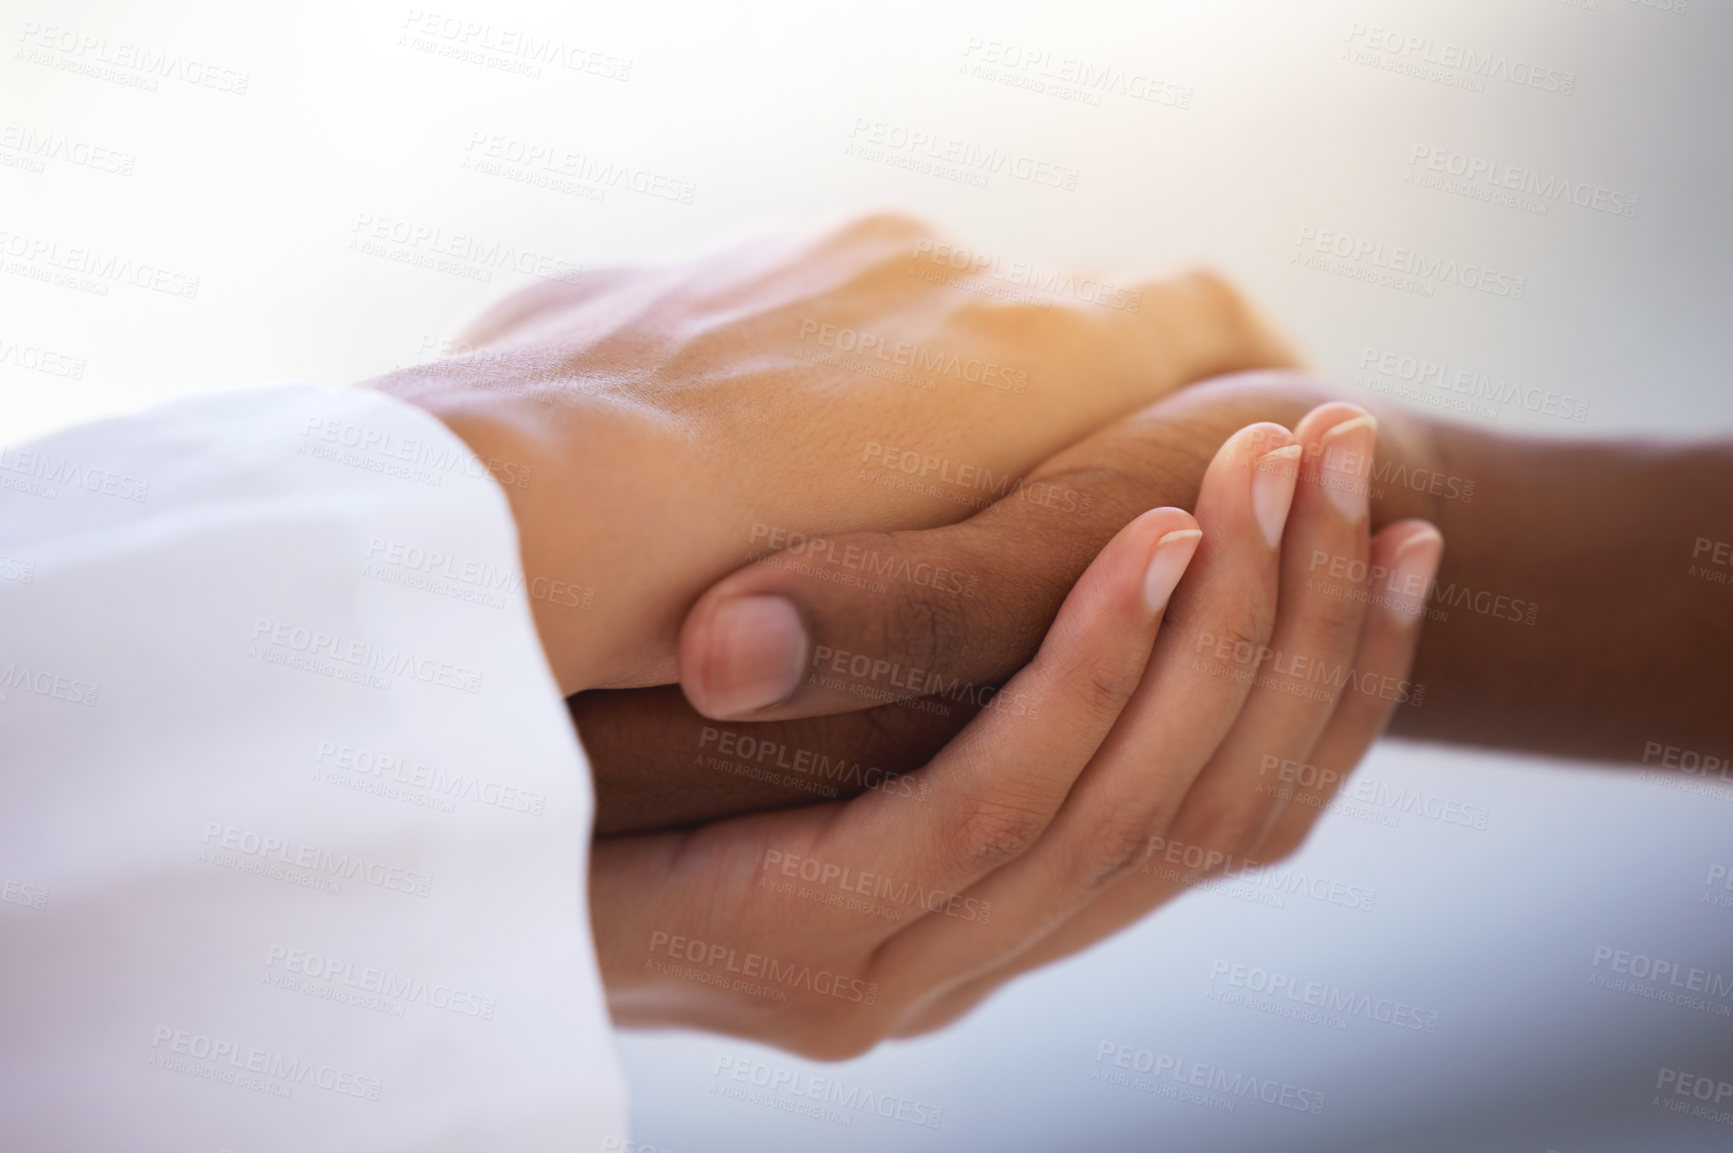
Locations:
(659, 763)
(659, 426)
(827, 928)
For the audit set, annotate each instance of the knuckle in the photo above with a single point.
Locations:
(1329, 624)
(1121, 480)
(1332, 617)
(1023, 324)
(1099, 692)
(871, 253)
(1200, 289)
(1215, 302)
(1215, 286)
(925, 627)
(1290, 832)
(987, 831)
(1115, 842)
(872, 243)
(1227, 834)
(1245, 629)
(989, 308)
(1090, 688)
(1239, 834)
(1281, 846)
(840, 1037)
(882, 224)
(913, 639)
(1220, 298)
(1093, 679)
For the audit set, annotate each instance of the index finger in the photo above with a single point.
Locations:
(998, 785)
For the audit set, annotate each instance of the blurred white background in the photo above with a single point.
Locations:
(143, 148)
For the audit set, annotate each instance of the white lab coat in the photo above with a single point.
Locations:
(293, 822)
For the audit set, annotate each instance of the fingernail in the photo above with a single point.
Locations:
(1172, 553)
(1345, 463)
(1273, 490)
(756, 654)
(1411, 572)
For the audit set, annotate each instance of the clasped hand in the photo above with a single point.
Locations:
(1164, 665)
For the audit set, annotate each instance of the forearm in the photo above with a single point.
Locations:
(1564, 619)
(1630, 620)
(1580, 609)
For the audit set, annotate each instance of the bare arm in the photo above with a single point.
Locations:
(1616, 544)
(1565, 619)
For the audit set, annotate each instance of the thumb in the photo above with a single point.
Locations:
(868, 619)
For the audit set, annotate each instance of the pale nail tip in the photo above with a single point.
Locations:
(1421, 537)
(1271, 521)
(1359, 422)
(1292, 452)
(1350, 501)
(1158, 585)
(1180, 534)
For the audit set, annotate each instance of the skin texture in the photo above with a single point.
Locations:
(1623, 657)
(668, 426)
(655, 429)
(1136, 729)
(660, 763)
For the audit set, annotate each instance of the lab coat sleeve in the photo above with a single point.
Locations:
(293, 821)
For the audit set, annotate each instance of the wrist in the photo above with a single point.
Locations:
(512, 440)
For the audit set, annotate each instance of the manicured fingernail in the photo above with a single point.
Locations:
(1273, 477)
(756, 654)
(1411, 573)
(1346, 462)
(1172, 553)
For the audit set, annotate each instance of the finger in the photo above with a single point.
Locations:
(658, 764)
(956, 610)
(1165, 736)
(996, 787)
(1404, 559)
(1301, 674)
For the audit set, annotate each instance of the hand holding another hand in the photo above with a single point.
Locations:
(673, 424)
(936, 653)
(1148, 721)
(663, 423)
